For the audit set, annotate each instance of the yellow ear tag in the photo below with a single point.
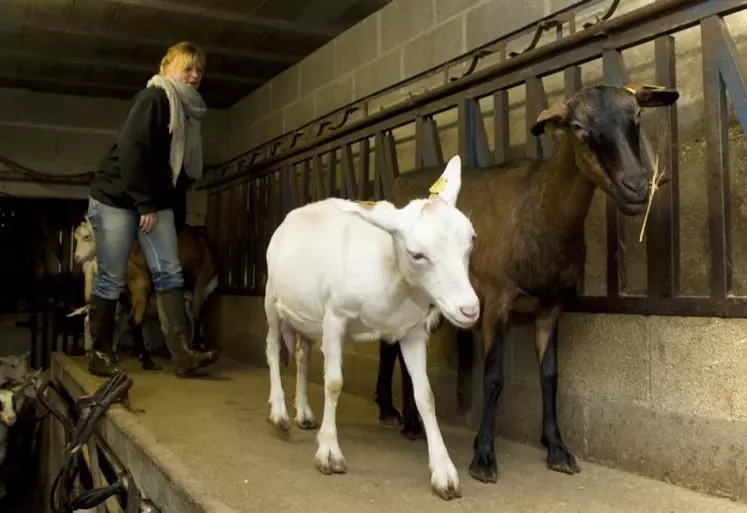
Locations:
(438, 187)
(366, 203)
(630, 90)
(549, 128)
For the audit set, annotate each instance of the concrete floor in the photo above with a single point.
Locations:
(217, 429)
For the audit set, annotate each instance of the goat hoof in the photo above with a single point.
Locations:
(445, 480)
(328, 463)
(389, 416)
(150, 365)
(413, 431)
(484, 469)
(306, 423)
(280, 421)
(560, 459)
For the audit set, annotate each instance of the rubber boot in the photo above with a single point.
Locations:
(103, 362)
(177, 333)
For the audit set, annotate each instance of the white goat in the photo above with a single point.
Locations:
(338, 269)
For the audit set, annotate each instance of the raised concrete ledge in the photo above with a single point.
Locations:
(205, 446)
(158, 472)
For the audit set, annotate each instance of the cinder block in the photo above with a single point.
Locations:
(270, 127)
(379, 74)
(357, 45)
(256, 105)
(606, 354)
(299, 113)
(497, 18)
(698, 365)
(448, 8)
(404, 19)
(335, 95)
(318, 69)
(434, 47)
(702, 453)
(285, 88)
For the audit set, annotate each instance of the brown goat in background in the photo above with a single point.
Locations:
(197, 258)
(530, 249)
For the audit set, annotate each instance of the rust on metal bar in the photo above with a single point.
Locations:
(717, 162)
(662, 239)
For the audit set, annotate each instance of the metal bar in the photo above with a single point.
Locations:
(332, 173)
(390, 167)
(501, 131)
(679, 306)
(348, 171)
(573, 84)
(316, 163)
(717, 162)
(432, 154)
(730, 66)
(662, 240)
(364, 156)
(304, 183)
(473, 141)
(379, 166)
(612, 70)
(538, 148)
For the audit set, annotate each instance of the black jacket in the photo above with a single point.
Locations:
(135, 173)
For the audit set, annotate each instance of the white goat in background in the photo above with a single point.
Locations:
(338, 269)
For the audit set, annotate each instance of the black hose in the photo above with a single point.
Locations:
(65, 496)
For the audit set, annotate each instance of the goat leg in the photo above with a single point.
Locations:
(559, 458)
(484, 466)
(388, 353)
(413, 428)
(141, 352)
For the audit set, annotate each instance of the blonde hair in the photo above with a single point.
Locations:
(185, 53)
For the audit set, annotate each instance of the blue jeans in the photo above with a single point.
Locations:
(114, 231)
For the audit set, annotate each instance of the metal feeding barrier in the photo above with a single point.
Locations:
(249, 195)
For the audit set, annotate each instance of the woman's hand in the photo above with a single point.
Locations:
(148, 222)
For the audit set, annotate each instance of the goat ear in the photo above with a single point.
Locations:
(550, 118)
(450, 182)
(653, 96)
(380, 213)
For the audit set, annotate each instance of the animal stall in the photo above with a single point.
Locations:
(353, 153)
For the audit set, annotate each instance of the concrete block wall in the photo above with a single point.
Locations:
(64, 134)
(660, 396)
(402, 39)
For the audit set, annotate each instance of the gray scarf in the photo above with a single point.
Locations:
(186, 108)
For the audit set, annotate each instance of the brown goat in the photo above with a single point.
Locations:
(530, 250)
(196, 255)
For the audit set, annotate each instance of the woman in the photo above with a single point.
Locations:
(134, 194)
